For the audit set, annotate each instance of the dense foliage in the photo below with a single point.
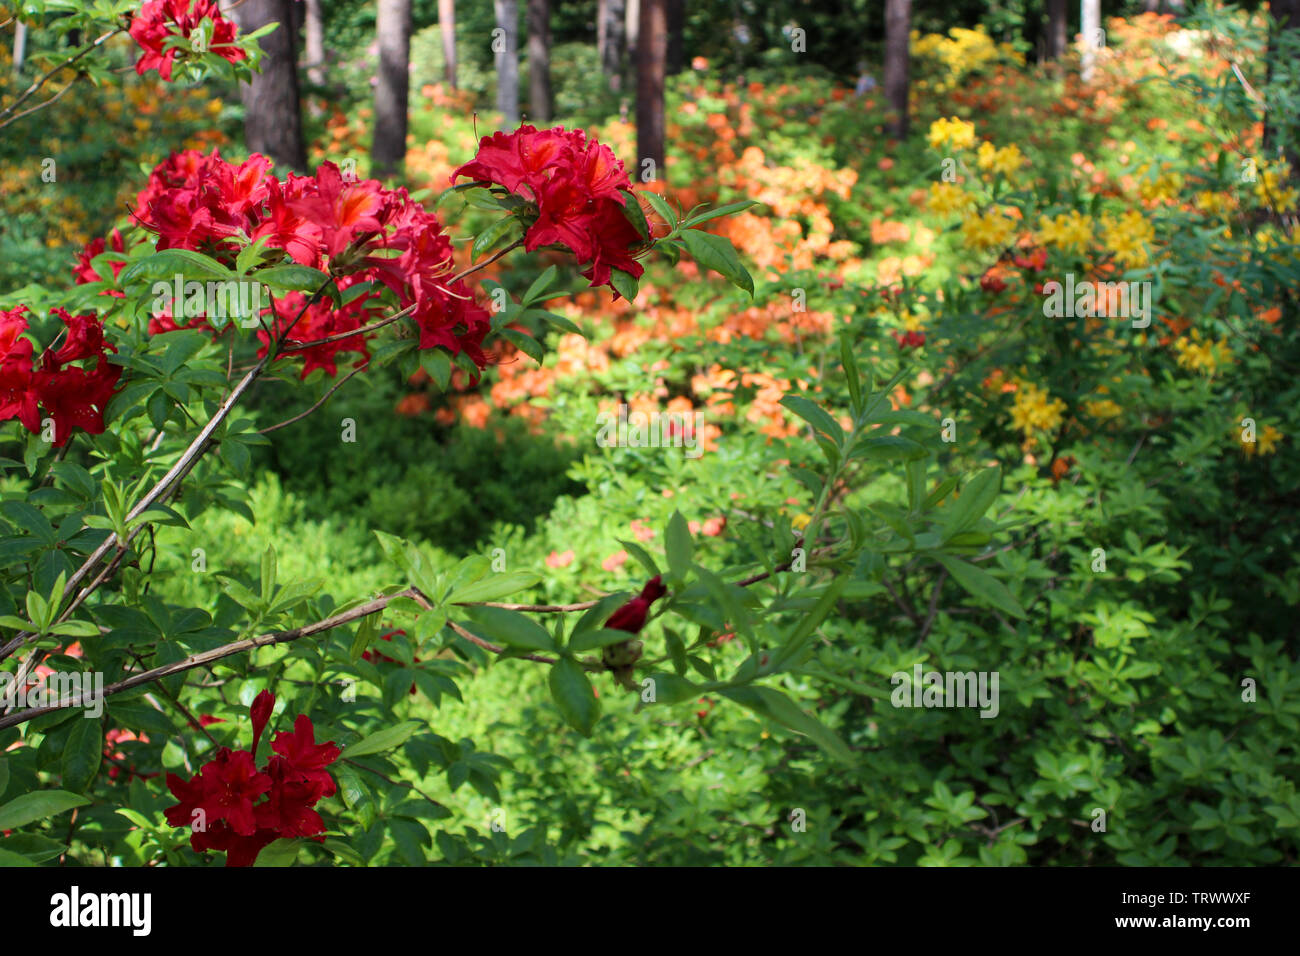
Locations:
(920, 449)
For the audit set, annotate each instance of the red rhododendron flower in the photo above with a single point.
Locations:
(579, 187)
(160, 19)
(260, 712)
(229, 789)
(992, 283)
(71, 396)
(356, 231)
(631, 616)
(84, 272)
(910, 340)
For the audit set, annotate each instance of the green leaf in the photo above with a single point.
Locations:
(82, 754)
(539, 285)
(678, 544)
(624, 283)
(573, 695)
(436, 363)
(490, 236)
(37, 805)
(816, 416)
(778, 707)
(727, 210)
(664, 210)
(280, 852)
(170, 262)
(382, 740)
(716, 253)
(975, 499)
(634, 214)
(494, 587)
(526, 344)
(889, 448)
(981, 585)
(851, 375)
(641, 555)
(511, 628)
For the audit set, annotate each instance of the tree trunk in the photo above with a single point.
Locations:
(20, 47)
(631, 28)
(652, 51)
(505, 46)
(393, 29)
(314, 50)
(447, 27)
(539, 61)
(610, 36)
(272, 112)
(1089, 27)
(1287, 15)
(676, 39)
(1057, 36)
(898, 26)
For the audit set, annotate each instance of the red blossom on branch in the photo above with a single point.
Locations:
(232, 807)
(580, 190)
(160, 19)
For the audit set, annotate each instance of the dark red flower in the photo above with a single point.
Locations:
(305, 756)
(260, 713)
(631, 616)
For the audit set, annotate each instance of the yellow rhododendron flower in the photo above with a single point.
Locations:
(1265, 442)
(1006, 160)
(1127, 238)
(1035, 409)
(1202, 356)
(947, 198)
(952, 131)
(1069, 230)
(987, 230)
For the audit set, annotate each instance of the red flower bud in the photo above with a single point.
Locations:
(631, 616)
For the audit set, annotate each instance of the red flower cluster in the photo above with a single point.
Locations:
(160, 19)
(1036, 260)
(631, 616)
(221, 804)
(84, 272)
(70, 395)
(357, 231)
(990, 282)
(910, 340)
(579, 187)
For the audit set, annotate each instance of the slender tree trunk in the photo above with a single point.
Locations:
(314, 50)
(631, 29)
(505, 46)
(447, 27)
(20, 46)
(898, 26)
(272, 112)
(1057, 36)
(539, 61)
(610, 36)
(676, 37)
(652, 51)
(1089, 27)
(1287, 15)
(393, 29)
